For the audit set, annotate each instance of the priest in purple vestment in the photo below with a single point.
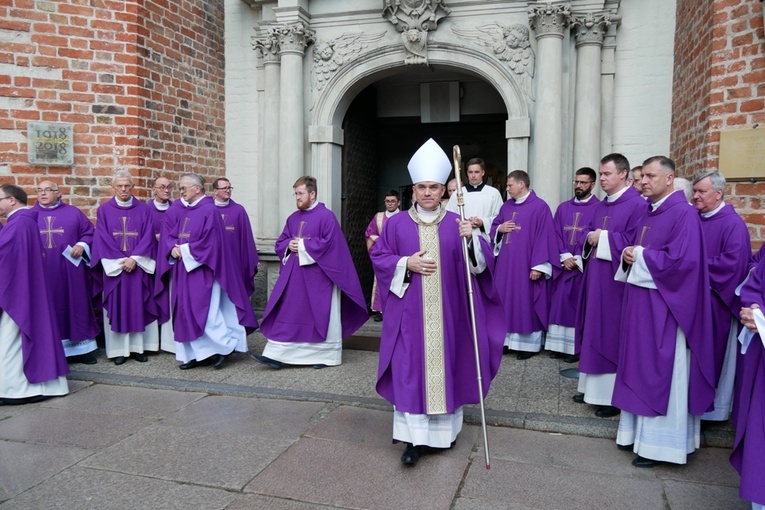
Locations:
(728, 247)
(211, 310)
(598, 319)
(32, 362)
(748, 457)
(124, 249)
(239, 239)
(665, 375)
(427, 366)
(571, 220)
(527, 256)
(372, 234)
(159, 206)
(67, 235)
(317, 300)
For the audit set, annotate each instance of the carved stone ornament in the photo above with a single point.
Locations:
(414, 19)
(293, 37)
(509, 43)
(267, 47)
(549, 18)
(329, 56)
(591, 28)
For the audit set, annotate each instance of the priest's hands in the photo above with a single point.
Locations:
(466, 228)
(176, 252)
(628, 255)
(535, 275)
(570, 264)
(294, 243)
(747, 317)
(507, 226)
(77, 251)
(420, 263)
(593, 237)
(128, 265)
(475, 221)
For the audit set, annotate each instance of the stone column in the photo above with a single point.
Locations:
(608, 73)
(269, 223)
(293, 39)
(548, 20)
(590, 31)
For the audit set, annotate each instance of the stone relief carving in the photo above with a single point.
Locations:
(549, 18)
(414, 19)
(510, 44)
(292, 37)
(267, 47)
(329, 56)
(591, 27)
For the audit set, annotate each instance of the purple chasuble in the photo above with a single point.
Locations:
(375, 228)
(157, 216)
(525, 302)
(748, 457)
(571, 222)
(401, 374)
(676, 258)
(240, 242)
(756, 258)
(598, 317)
(122, 232)
(201, 227)
(728, 250)
(23, 296)
(298, 309)
(69, 286)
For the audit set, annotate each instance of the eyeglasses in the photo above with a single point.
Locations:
(300, 193)
(123, 186)
(582, 183)
(391, 201)
(46, 190)
(228, 188)
(4, 198)
(183, 189)
(163, 188)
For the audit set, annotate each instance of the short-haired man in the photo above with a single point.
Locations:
(611, 229)
(317, 300)
(728, 250)
(124, 248)
(571, 220)
(212, 314)
(239, 239)
(427, 367)
(527, 253)
(665, 375)
(33, 363)
(372, 234)
(67, 235)
(482, 202)
(159, 207)
(634, 177)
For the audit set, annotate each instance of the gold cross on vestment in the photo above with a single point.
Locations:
(230, 228)
(125, 233)
(184, 234)
(642, 235)
(574, 229)
(516, 227)
(300, 231)
(49, 221)
(606, 219)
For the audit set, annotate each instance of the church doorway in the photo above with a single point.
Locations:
(389, 120)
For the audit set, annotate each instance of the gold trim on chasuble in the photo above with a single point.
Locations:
(433, 318)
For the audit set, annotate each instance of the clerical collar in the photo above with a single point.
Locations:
(389, 214)
(523, 198)
(192, 204)
(50, 206)
(124, 204)
(715, 211)
(14, 211)
(470, 188)
(161, 206)
(428, 216)
(576, 200)
(222, 204)
(618, 194)
(310, 207)
(656, 205)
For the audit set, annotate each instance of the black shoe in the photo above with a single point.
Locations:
(607, 412)
(526, 355)
(557, 355)
(276, 365)
(21, 401)
(319, 366)
(218, 364)
(377, 317)
(579, 399)
(119, 360)
(506, 350)
(642, 462)
(626, 447)
(85, 359)
(411, 455)
(140, 357)
(189, 365)
(571, 359)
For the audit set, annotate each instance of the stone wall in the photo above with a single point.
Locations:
(719, 84)
(141, 82)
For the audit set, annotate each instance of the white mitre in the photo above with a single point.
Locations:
(429, 163)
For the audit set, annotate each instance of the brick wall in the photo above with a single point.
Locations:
(141, 81)
(719, 84)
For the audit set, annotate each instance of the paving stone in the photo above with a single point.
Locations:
(708, 466)
(693, 496)
(256, 502)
